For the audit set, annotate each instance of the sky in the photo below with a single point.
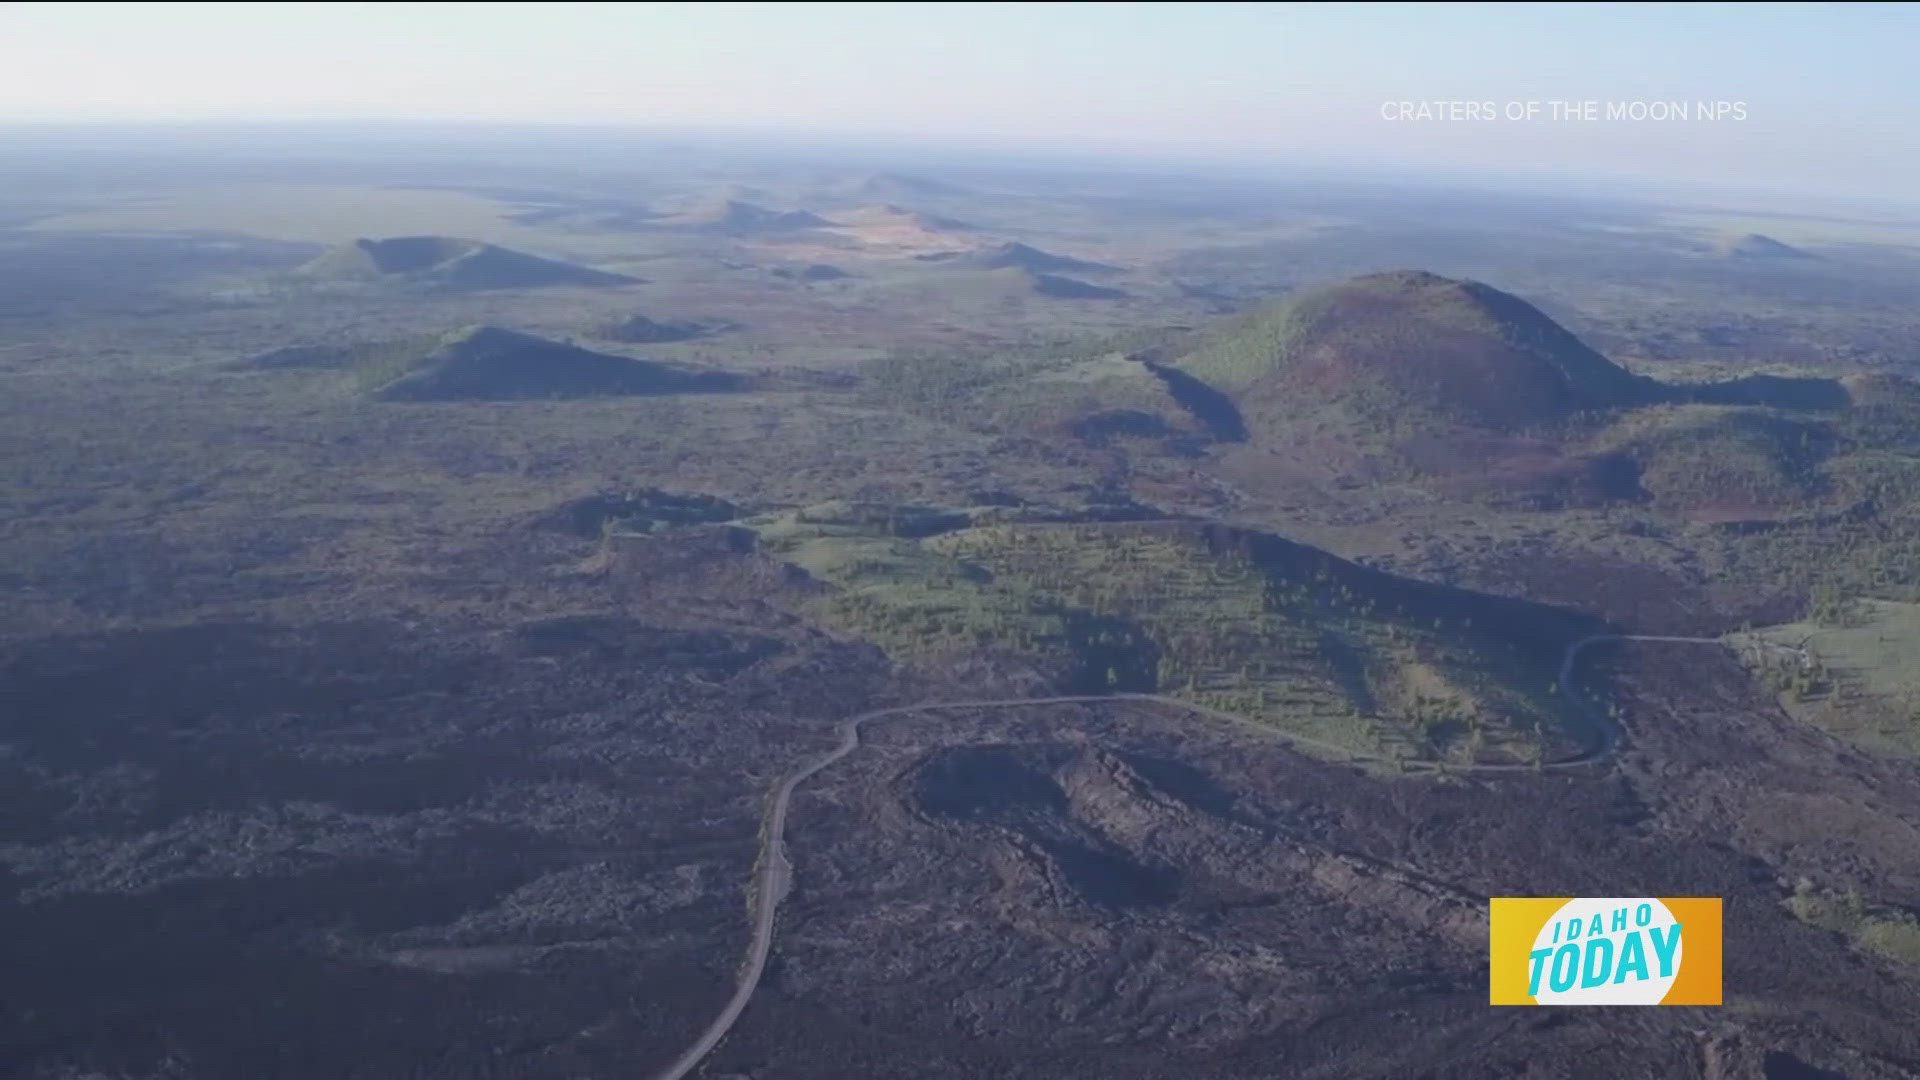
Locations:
(1823, 90)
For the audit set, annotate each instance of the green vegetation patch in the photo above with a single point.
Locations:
(1850, 670)
(1090, 388)
(1878, 929)
(1713, 457)
(644, 510)
(367, 360)
(1862, 537)
(1247, 624)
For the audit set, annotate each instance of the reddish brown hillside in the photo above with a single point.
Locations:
(1413, 343)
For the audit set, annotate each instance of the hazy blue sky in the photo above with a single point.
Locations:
(1827, 89)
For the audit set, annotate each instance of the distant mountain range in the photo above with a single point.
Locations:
(1758, 246)
(888, 215)
(454, 263)
(890, 185)
(1013, 254)
(487, 363)
(737, 218)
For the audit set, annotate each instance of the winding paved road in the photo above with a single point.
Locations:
(1610, 734)
(773, 874)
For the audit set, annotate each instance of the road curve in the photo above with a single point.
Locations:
(773, 874)
(1610, 733)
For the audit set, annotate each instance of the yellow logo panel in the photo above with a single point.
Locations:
(1584, 950)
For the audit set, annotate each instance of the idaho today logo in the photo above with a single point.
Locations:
(1584, 950)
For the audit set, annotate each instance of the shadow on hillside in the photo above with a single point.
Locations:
(1207, 405)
